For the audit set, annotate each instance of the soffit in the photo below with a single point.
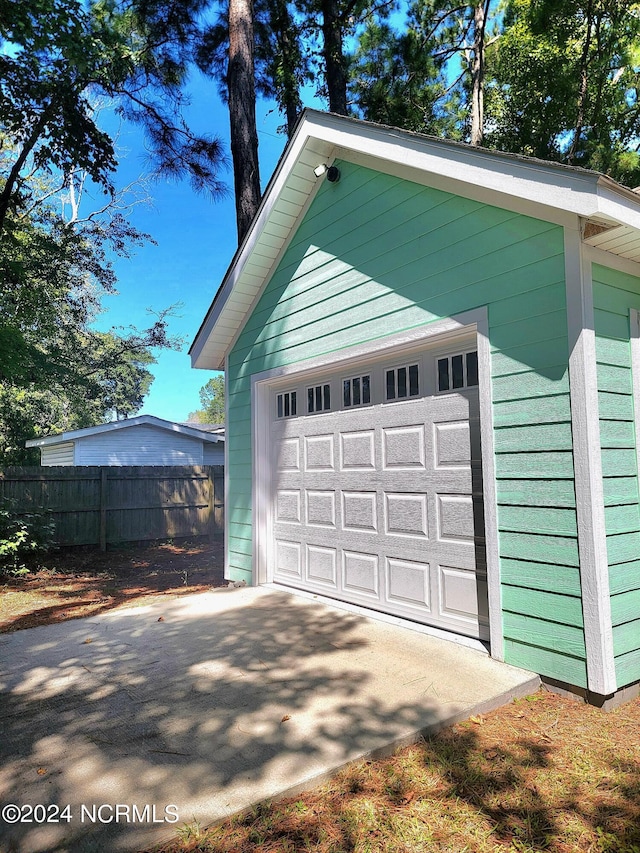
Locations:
(620, 240)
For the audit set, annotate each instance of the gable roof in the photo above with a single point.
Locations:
(148, 420)
(553, 191)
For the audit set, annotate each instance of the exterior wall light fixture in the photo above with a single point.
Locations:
(332, 172)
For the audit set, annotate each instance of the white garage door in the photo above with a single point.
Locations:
(377, 490)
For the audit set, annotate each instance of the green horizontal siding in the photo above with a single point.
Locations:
(536, 465)
(548, 521)
(543, 437)
(620, 490)
(625, 607)
(617, 434)
(545, 410)
(544, 633)
(611, 325)
(547, 493)
(627, 668)
(568, 669)
(615, 407)
(542, 604)
(377, 255)
(559, 550)
(618, 462)
(625, 638)
(623, 547)
(609, 351)
(542, 576)
(624, 518)
(614, 294)
(624, 577)
(614, 378)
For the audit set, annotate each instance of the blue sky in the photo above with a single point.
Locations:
(196, 239)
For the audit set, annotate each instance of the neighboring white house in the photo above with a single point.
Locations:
(143, 440)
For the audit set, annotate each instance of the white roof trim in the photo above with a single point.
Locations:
(148, 420)
(552, 188)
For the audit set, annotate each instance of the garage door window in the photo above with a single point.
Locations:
(356, 391)
(287, 405)
(402, 382)
(458, 371)
(318, 399)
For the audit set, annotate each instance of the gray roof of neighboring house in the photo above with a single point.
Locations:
(193, 430)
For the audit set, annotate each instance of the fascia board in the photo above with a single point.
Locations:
(618, 203)
(553, 185)
(87, 431)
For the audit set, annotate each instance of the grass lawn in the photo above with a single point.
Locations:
(543, 773)
(85, 582)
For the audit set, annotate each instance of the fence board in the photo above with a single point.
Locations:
(111, 504)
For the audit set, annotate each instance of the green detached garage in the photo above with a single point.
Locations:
(432, 355)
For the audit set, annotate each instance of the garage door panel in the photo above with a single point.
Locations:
(360, 574)
(455, 518)
(452, 445)
(403, 448)
(360, 511)
(458, 594)
(288, 506)
(357, 451)
(320, 507)
(406, 515)
(288, 559)
(322, 566)
(454, 553)
(288, 456)
(408, 584)
(319, 453)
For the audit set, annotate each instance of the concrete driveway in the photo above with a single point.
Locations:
(199, 707)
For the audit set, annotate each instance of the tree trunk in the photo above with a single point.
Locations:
(480, 15)
(242, 114)
(14, 174)
(289, 95)
(584, 87)
(335, 63)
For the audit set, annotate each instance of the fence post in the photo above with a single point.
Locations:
(218, 488)
(103, 509)
(211, 521)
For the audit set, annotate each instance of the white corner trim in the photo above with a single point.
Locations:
(587, 461)
(451, 327)
(226, 475)
(261, 482)
(489, 491)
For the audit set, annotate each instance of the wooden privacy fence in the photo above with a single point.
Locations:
(111, 504)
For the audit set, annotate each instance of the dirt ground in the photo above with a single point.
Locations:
(75, 583)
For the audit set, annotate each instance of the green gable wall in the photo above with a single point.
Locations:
(376, 255)
(614, 293)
